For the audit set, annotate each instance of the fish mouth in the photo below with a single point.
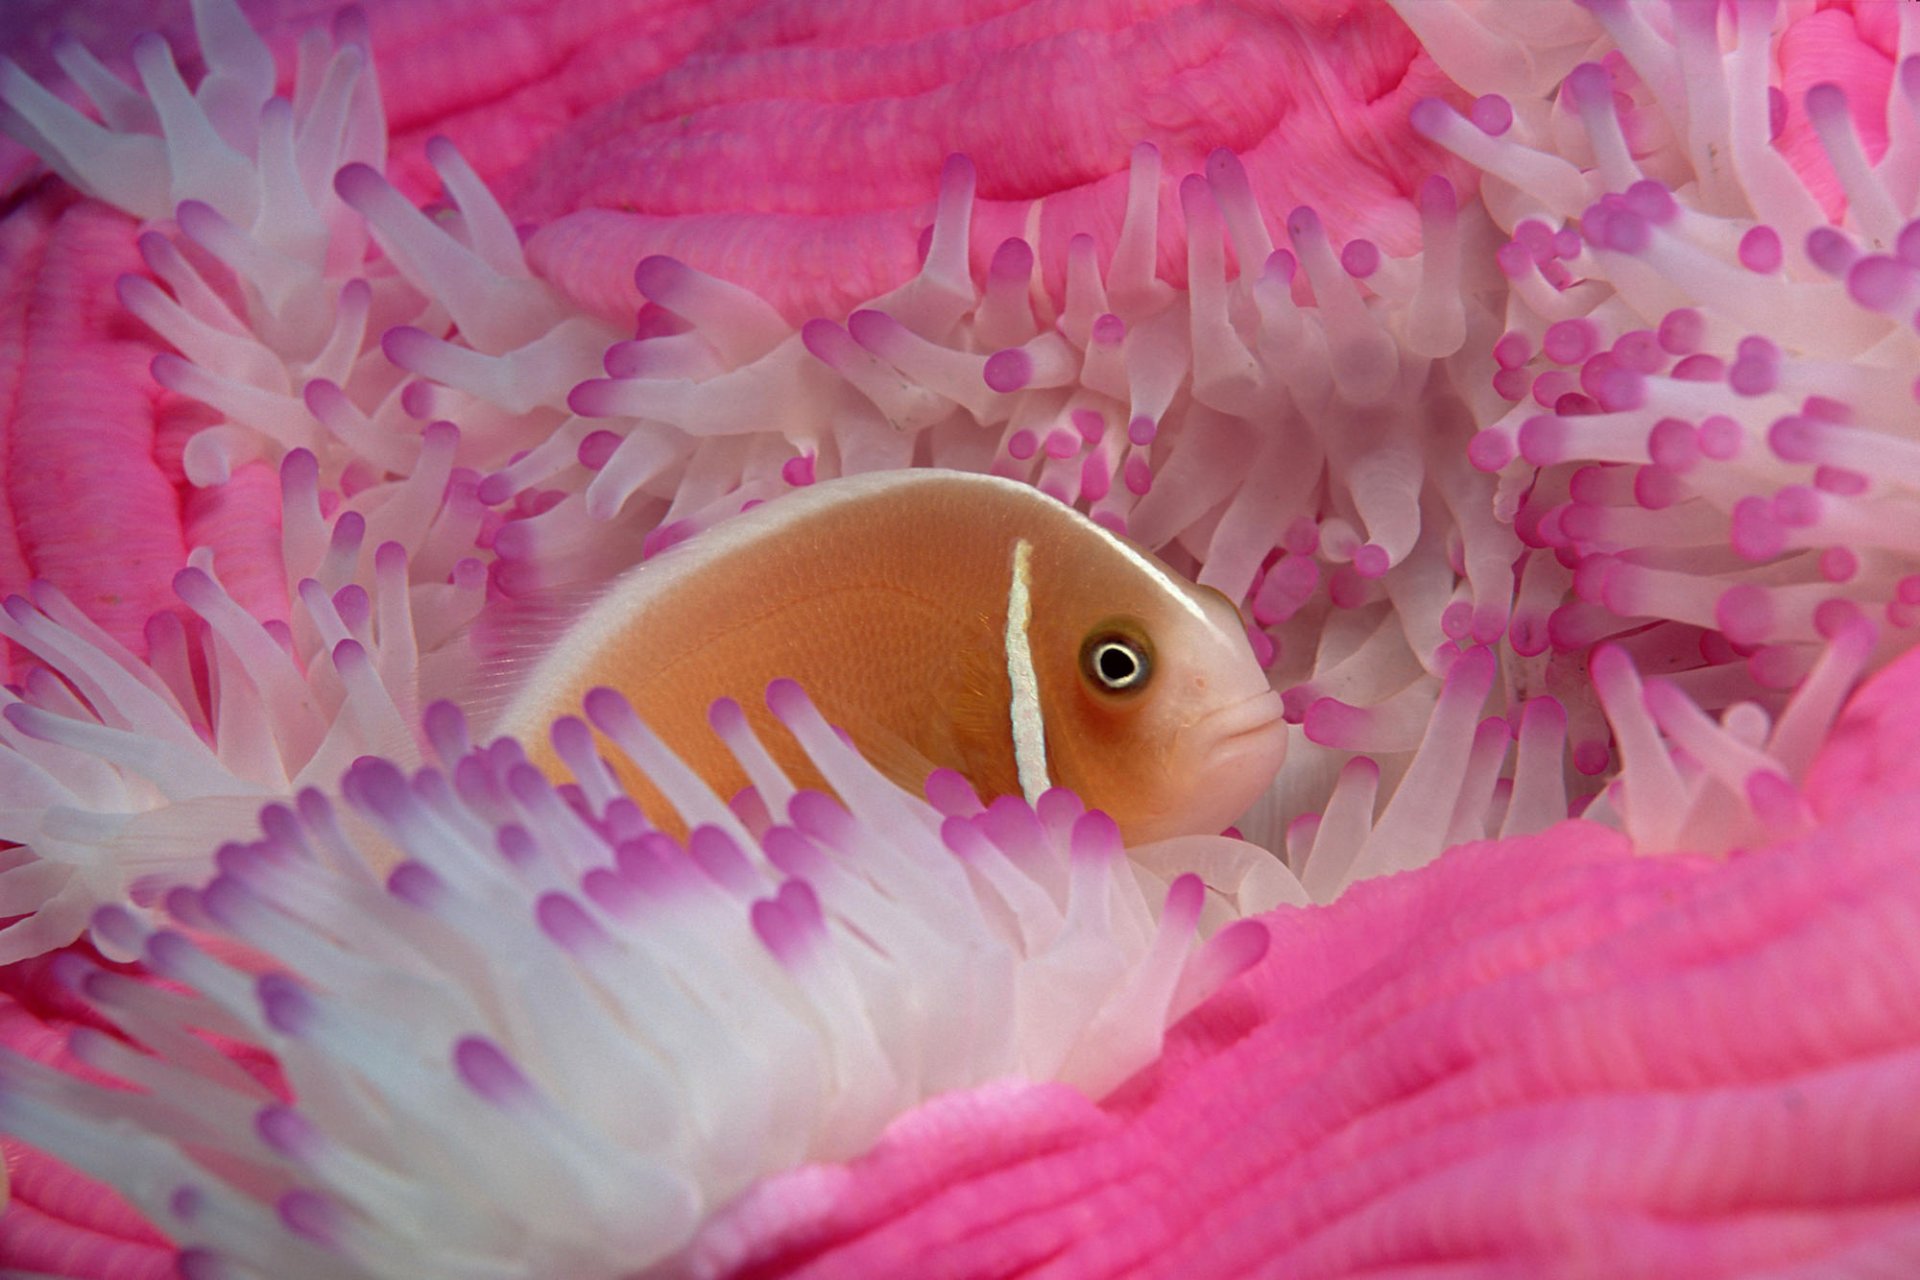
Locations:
(1231, 755)
(1244, 745)
(1235, 723)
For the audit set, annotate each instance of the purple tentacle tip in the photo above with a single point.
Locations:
(287, 1007)
(485, 1068)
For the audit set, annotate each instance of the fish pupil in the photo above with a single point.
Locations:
(1118, 665)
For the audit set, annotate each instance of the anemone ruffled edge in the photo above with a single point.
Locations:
(1607, 473)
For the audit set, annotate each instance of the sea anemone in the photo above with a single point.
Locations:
(1525, 517)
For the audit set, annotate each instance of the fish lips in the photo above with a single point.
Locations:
(1247, 737)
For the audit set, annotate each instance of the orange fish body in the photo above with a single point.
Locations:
(889, 598)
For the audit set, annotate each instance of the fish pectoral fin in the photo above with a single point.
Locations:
(483, 665)
(967, 723)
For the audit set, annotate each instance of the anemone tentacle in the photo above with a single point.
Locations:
(1724, 498)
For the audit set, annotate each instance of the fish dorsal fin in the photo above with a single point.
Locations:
(1027, 723)
(482, 667)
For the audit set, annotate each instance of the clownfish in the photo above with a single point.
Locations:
(942, 619)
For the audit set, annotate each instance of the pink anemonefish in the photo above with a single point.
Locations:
(944, 620)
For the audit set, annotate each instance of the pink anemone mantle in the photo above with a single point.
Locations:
(1615, 301)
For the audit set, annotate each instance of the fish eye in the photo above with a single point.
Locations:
(1116, 662)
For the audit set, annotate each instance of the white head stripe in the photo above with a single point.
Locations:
(1023, 707)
